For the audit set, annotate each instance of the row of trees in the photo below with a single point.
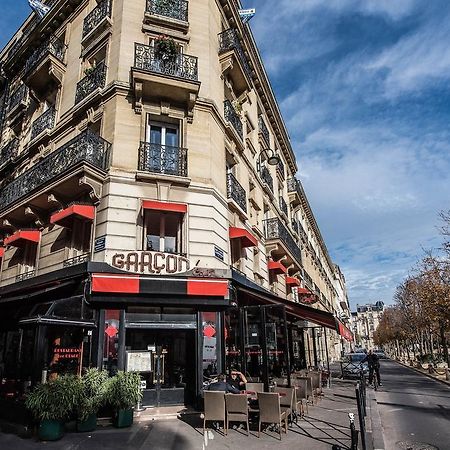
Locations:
(417, 327)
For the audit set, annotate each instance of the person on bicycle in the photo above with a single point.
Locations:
(374, 365)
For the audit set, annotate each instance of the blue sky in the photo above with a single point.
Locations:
(364, 88)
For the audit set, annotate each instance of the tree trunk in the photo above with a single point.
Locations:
(444, 342)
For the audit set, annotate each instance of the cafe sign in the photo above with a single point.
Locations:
(147, 262)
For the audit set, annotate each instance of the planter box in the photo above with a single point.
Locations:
(123, 418)
(90, 424)
(50, 430)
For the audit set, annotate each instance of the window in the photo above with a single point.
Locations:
(236, 253)
(163, 231)
(81, 237)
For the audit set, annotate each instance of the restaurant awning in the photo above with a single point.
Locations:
(22, 236)
(247, 239)
(292, 281)
(76, 211)
(164, 206)
(276, 267)
(344, 331)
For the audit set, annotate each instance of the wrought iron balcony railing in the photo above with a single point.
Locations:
(87, 148)
(52, 46)
(80, 259)
(274, 229)
(175, 9)
(229, 40)
(236, 192)
(266, 177)
(181, 66)
(263, 130)
(294, 225)
(45, 121)
(280, 168)
(102, 10)
(19, 95)
(26, 275)
(232, 117)
(163, 159)
(8, 152)
(283, 206)
(95, 79)
(308, 281)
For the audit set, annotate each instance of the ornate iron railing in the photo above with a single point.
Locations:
(308, 281)
(266, 177)
(19, 95)
(292, 184)
(283, 206)
(263, 130)
(233, 117)
(92, 81)
(229, 40)
(280, 167)
(8, 152)
(294, 225)
(274, 229)
(45, 121)
(87, 147)
(76, 260)
(164, 159)
(175, 9)
(52, 46)
(26, 275)
(102, 10)
(181, 66)
(236, 192)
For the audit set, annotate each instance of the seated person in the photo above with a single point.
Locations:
(237, 379)
(222, 385)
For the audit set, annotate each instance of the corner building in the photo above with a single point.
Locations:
(142, 226)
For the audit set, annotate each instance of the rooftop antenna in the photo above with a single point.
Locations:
(246, 14)
(38, 7)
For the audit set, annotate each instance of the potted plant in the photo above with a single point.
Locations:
(165, 48)
(123, 393)
(51, 403)
(92, 391)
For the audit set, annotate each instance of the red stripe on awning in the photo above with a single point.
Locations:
(207, 288)
(23, 235)
(344, 331)
(118, 284)
(164, 206)
(247, 239)
(276, 266)
(86, 212)
(292, 281)
(302, 290)
(2, 252)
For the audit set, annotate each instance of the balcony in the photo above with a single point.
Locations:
(234, 62)
(236, 193)
(282, 243)
(168, 13)
(44, 122)
(233, 118)
(266, 177)
(295, 191)
(45, 66)
(171, 79)
(8, 152)
(295, 226)
(18, 102)
(96, 22)
(283, 206)
(93, 81)
(59, 173)
(163, 159)
(280, 169)
(264, 131)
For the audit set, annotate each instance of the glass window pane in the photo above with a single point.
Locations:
(172, 225)
(171, 137)
(153, 226)
(155, 134)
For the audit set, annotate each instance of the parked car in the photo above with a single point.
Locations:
(351, 365)
(380, 354)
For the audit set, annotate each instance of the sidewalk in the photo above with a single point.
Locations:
(325, 425)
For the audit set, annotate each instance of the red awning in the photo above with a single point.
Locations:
(2, 252)
(293, 281)
(63, 217)
(303, 291)
(22, 236)
(344, 331)
(164, 206)
(276, 267)
(247, 239)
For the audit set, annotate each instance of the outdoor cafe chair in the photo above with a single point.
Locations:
(237, 409)
(287, 397)
(316, 378)
(305, 383)
(280, 381)
(270, 411)
(214, 402)
(254, 387)
(301, 389)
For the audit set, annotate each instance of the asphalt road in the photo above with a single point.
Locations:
(414, 409)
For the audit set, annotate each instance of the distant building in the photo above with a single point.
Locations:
(365, 321)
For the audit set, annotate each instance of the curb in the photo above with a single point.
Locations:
(422, 373)
(376, 433)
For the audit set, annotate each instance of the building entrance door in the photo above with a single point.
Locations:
(171, 361)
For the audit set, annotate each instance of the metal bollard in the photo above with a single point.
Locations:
(353, 432)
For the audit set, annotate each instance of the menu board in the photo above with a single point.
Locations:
(139, 361)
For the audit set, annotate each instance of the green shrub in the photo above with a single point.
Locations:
(124, 390)
(93, 388)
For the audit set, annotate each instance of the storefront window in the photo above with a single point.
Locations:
(276, 342)
(209, 344)
(111, 341)
(233, 340)
(253, 343)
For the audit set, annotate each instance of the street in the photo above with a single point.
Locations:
(414, 409)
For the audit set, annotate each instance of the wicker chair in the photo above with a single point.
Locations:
(254, 387)
(301, 393)
(270, 411)
(305, 385)
(287, 400)
(237, 409)
(214, 408)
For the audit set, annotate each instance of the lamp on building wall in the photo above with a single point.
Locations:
(270, 156)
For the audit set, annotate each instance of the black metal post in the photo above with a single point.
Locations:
(122, 331)
(315, 347)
